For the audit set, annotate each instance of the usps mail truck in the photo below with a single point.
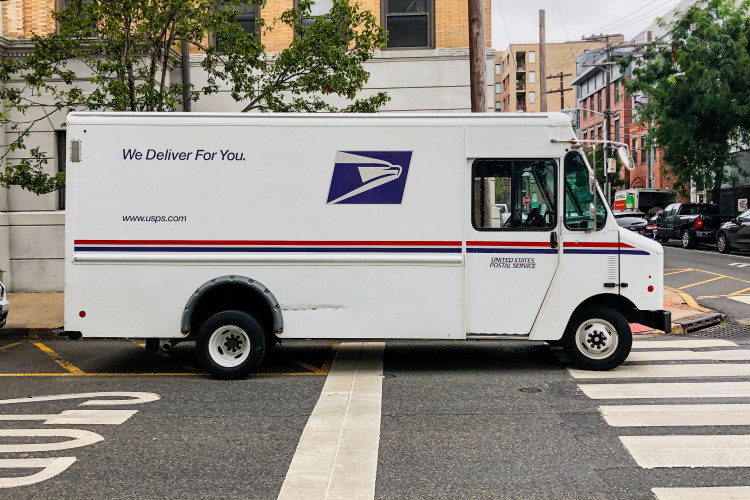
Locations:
(238, 231)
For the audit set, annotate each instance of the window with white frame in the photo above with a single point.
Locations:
(498, 88)
(532, 76)
(532, 97)
(532, 57)
(409, 23)
(498, 69)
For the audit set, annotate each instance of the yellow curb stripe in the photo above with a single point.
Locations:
(690, 301)
(702, 282)
(329, 360)
(56, 357)
(9, 346)
(301, 364)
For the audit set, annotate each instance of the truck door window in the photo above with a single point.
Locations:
(516, 195)
(578, 197)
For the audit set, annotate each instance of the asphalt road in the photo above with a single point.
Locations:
(720, 282)
(458, 420)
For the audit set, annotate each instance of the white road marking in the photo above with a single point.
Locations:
(689, 450)
(51, 468)
(739, 264)
(337, 455)
(683, 343)
(676, 415)
(666, 371)
(708, 493)
(723, 355)
(80, 438)
(669, 390)
(745, 299)
(79, 417)
(130, 398)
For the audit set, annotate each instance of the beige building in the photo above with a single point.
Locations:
(518, 80)
(423, 68)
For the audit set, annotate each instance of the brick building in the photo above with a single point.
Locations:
(518, 80)
(591, 105)
(423, 68)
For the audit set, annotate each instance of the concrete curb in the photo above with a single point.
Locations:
(694, 323)
(47, 332)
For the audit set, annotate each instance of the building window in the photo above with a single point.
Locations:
(532, 57)
(532, 76)
(245, 16)
(409, 23)
(599, 132)
(521, 61)
(591, 103)
(599, 101)
(617, 92)
(617, 129)
(498, 88)
(634, 152)
(60, 143)
(498, 106)
(585, 111)
(643, 148)
(318, 9)
(532, 97)
(585, 135)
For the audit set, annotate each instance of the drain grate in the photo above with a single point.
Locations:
(722, 332)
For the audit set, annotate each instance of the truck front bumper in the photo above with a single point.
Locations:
(659, 320)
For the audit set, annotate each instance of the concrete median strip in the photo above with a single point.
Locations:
(337, 455)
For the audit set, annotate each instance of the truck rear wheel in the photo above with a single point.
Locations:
(230, 344)
(597, 338)
(688, 239)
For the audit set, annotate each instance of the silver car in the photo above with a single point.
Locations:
(4, 305)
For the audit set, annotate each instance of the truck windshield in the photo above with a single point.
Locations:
(578, 197)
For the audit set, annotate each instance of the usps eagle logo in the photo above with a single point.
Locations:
(369, 177)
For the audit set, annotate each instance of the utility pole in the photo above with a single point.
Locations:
(562, 88)
(477, 59)
(542, 63)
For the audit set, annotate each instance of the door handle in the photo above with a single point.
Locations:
(553, 239)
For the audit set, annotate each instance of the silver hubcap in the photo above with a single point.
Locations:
(229, 346)
(721, 243)
(596, 339)
(685, 239)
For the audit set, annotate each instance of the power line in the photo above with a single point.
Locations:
(607, 26)
(502, 16)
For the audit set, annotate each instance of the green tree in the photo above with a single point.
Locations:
(117, 55)
(698, 82)
(596, 159)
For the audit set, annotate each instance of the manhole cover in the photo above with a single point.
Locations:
(722, 332)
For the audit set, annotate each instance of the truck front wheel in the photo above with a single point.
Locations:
(597, 338)
(230, 344)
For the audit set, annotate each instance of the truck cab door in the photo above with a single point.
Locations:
(512, 243)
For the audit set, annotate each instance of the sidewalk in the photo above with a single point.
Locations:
(35, 315)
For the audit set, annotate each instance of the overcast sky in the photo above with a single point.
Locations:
(572, 19)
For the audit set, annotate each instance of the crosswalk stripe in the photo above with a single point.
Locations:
(666, 371)
(337, 455)
(689, 450)
(667, 390)
(676, 415)
(723, 355)
(708, 493)
(683, 343)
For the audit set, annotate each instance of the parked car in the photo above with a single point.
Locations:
(692, 223)
(636, 221)
(734, 234)
(4, 305)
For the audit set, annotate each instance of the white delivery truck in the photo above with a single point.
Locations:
(239, 231)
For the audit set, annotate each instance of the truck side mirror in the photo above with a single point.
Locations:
(592, 182)
(591, 223)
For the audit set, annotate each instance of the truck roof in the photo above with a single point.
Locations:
(352, 119)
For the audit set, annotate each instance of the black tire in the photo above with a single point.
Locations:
(598, 337)
(224, 334)
(688, 239)
(722, 243)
